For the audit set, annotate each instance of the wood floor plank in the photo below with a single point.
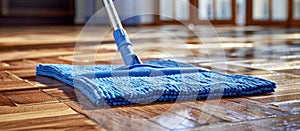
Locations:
(217, 111)
(198, 116)
(18, 67)
(111, 120)
(21, 63)
(4, 101)
(189, 114)
(268, 109)
(245, 112)
(21, 68)
(19, 55)
(36, 114)
(159, 113)
(287, 89)
(53, 60)
(42, 108)
(48, 81)
(7, 76)
(65, 122)
(3, 64)
(193, 115)
(281, 78)
(284, 66)
(273, 64)
(62, 93)
(282, 93)
(15, 85)
(292, 105)
(29, 97)
(27, 74)
(115, 56)
(277, 98)
(75, 105)
(278, 123)
(9, 81)
(233, 68)
(44, 116)
(237, 109)
(115, 118)
(290, 71)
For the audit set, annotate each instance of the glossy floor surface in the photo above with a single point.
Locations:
(33, 102)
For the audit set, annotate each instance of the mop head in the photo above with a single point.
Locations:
(123, 90)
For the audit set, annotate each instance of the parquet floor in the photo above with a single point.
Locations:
(28, 102)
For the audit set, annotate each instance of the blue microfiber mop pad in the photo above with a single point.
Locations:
(125, 90)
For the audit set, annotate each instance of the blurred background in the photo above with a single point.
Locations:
(70, 12)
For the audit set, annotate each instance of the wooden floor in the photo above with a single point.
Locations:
(35, 103)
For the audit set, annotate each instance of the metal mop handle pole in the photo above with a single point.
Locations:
(112, 14)
(120, 35)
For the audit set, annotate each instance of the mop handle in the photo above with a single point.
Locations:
(120, 35)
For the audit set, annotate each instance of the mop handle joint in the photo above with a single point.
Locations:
(125, 47)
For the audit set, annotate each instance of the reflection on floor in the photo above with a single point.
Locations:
(271, 53)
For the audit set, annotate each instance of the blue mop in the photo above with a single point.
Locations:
(160, 80)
